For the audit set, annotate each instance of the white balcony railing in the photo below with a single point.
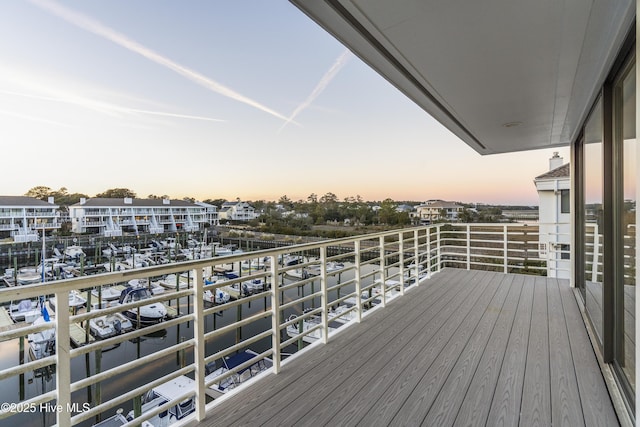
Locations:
(297, 304)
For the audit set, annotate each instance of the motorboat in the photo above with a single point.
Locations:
(146, 314)
(333, 266)
(106, 293)
(75, 301)
(296, 329)
(171, 280)
(25, 310)
(29, 276)
(108, 325)
(255, 264)
(342, 313)
(154, 287)
(228, 363)
(233, 290)
(289, 260)
(73, 252)
(166, 392)
(300, 273)
(253, 286)
(43, 343)
(115, 266)
(226, 250)
(216, 296)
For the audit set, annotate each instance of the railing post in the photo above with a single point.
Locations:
(439, 250)
(199, 349)
(63, 359)
(275, 314)
(468, 247)
(416, 248)
(429, 251)
(383, 290)
(401, 259)
(505, 237)
(356, 249)
(324, 298)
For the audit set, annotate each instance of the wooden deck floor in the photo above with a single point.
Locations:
(465, 348)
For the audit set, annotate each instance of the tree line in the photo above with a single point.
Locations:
(300, 214)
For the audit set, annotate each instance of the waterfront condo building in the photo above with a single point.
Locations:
(112, 217)
(23, 219)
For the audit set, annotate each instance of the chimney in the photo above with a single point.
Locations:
(50, 200)
(83, 200)
(128, 201)
(556, 161)
(166, 201)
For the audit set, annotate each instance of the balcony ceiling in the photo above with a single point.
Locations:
(503, 76)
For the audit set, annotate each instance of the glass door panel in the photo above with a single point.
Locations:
(625, 138)
(593, 216)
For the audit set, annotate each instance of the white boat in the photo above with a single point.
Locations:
(75, 301)
(310, 322)
(136, 261)
(226, 250)
(43, 343)
(255, 264)
(170, 282)
(301, 273)
(154, 287)
(25, 311)
(229, 363)
(333, 266)
(164, 393)
(146, 314)
(107, 293)
(108, 325)
(116, 266)
(233, 290)
(51, 265)
(253, 286)
(289, 260)
(28, 276)
(73, 252)
(217, 296)
(341, 314)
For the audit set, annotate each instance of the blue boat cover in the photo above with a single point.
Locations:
(238, 359)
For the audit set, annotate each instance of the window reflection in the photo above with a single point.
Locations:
(593, 214)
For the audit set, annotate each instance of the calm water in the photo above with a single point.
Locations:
(36, 383)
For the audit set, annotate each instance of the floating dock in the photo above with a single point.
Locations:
(6, 322)
(79, 335)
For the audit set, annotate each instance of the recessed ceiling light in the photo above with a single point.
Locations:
(511, 124)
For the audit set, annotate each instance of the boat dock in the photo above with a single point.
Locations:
(79, 336)
(6, 322)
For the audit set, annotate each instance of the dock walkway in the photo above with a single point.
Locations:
(465, 348)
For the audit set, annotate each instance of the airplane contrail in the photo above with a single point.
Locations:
(33, 118)
(321, 86)
(99, 29)
(104, 106)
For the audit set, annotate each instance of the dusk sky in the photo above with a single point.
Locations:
(221, 99)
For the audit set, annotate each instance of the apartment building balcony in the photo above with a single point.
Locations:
(440, 328)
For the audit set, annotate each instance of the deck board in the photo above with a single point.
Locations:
(565, 397)
(466, 348)
(473, 408)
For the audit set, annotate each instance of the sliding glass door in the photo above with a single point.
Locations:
(626, 154)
